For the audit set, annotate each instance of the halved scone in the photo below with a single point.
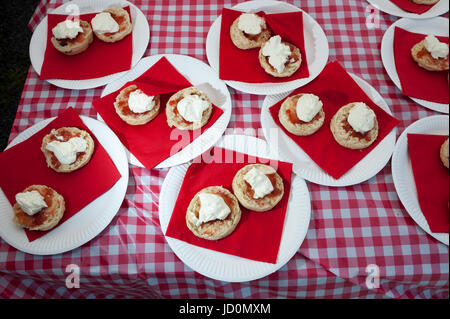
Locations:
(188, 109)
(67, 149)
(31, 214)
(258, 187)
(289, 118)
(75, 43)
(279, 58)
(249, 31)
(345, 135)
(213, 213)
(425, 59)
(139, 110)
(123, 25)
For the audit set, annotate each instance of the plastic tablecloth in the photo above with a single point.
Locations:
(351, 228)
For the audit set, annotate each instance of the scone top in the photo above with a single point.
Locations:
(139, 102)
(66, 149)
(259, 182)
(67, 29)
(31, 202)
(103, 23)
(191, 108)
(361, 118)
(308, 105)
(251, 24)
(212, 207)
(278, 53)
(437, 49)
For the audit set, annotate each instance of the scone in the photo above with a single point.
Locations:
(431, 54)
(429, 2)
(188, 109)
(310, 109)
(72, 38)
(279, 58)
(67, 149)
(213, 213)
(354, 126)
(249, 31)
(112, 25)
(258, 187)
(38, 207)
(135, 107)
(444, 154)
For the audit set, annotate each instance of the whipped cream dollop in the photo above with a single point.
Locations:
(31, 202)
(308, 105)
(212, 207)
(139, 102)
(67, 29)
(277, 52)
(361, 118)
(66, 152)
(259, 182)
(104, 23)
(436, 48)
(250, 23)
(191, 108)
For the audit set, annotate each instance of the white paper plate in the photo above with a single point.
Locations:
(305, 167)
(226, 267)
(88, 222)
(389, 7)
(402, 172)
(316, 46)
(437, 26)
(141, 36)
(202, 77)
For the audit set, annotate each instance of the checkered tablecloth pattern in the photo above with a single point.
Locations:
(351, 227)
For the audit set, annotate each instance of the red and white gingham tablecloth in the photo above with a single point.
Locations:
(351, 227)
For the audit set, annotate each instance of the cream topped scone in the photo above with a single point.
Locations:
(31, 202)
(431, 54)
(72, 37)
(104, 23)
(258, 187)
(112, 25)
(279, 58)
(259, 182)
(38, 207)
(302, 114)
(213, 213)
(249, 31)
(67, 149)
(135, 107)
(355, 126)
(188, 109)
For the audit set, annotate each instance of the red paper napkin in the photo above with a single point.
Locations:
(410, 6)
(258, 235)
(336, 88)
(24, 164)
(155, 141)
(431, 177)
(416, 81)
(100, 59)
(243, 65)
